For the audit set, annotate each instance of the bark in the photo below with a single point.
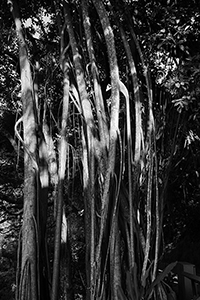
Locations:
(138, 139)
(88, 134)
(57, 244)
(99, 105)
(42, 192)
(115, 265)
(136, 92)
(28, 288)
(150, 163)
(61, 175)
(66, 258)
(87, 204)
(114, 119)
(52, 163)
(150, 150)
(158, 225)
(42, 206)
(65, 276)
(100, 148)
(149, 217)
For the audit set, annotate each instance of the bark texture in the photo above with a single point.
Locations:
(28, 283)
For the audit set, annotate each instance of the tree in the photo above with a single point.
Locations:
(115, 121)
(28, 278)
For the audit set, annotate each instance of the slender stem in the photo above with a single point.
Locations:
(114, 120)
(157, 214)
(149, 219)
(61, 176)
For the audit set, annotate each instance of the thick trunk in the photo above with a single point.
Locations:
(28, 288)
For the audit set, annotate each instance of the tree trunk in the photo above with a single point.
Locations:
(88, 134)
(114, 122)
(61, 175)
(115, 266)
(28, 288)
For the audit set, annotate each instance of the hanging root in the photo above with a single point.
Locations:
(18, 266)
(35, 165)
(25, 282)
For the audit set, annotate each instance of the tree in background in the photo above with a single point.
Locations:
(94, 120)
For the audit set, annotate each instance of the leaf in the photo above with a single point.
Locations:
(177, 84)
(182, 47)
(162, 30)
(160, 277)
